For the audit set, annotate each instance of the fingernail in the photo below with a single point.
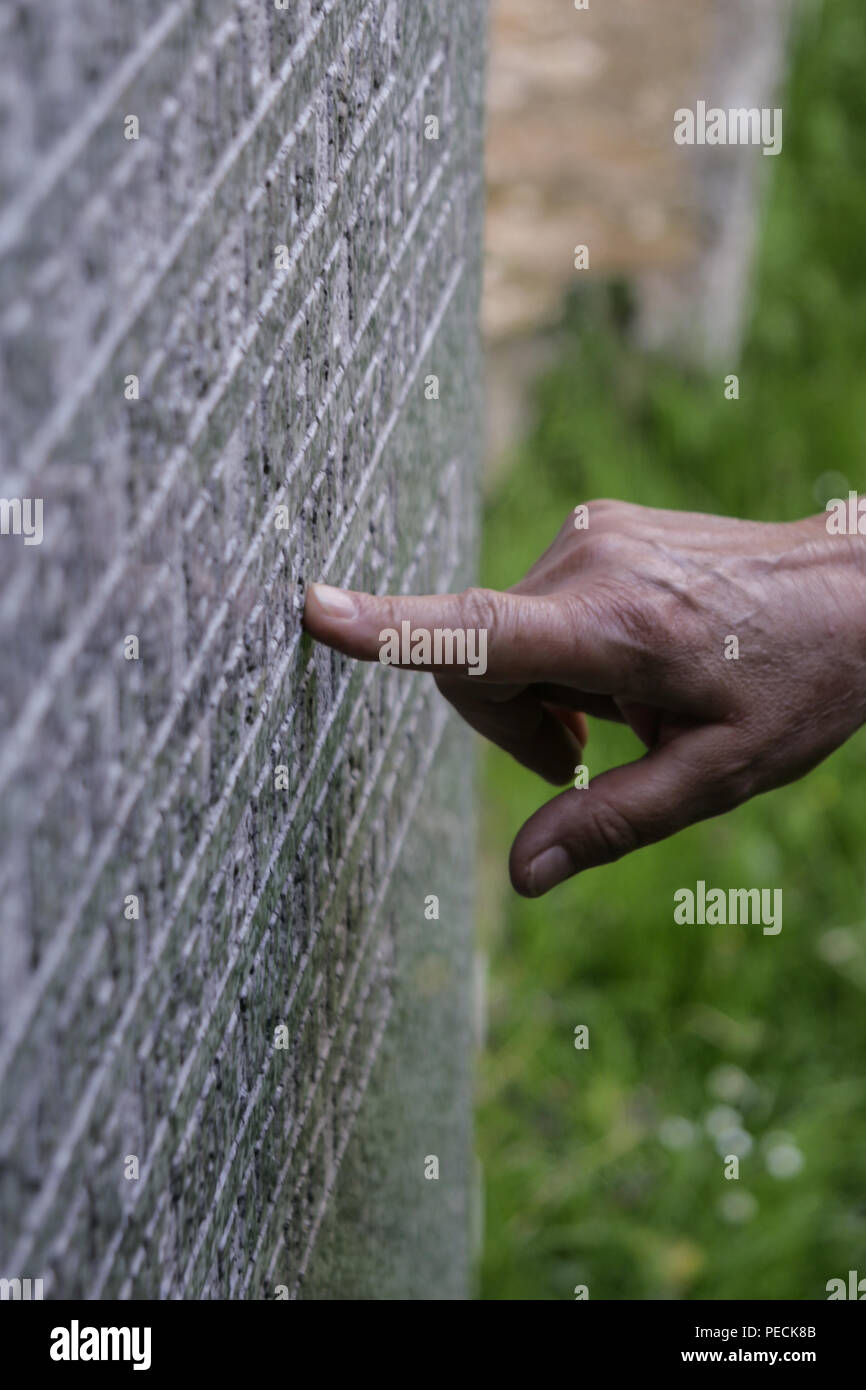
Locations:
(548, 869)
(335, 602)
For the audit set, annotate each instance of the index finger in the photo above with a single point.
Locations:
(486, 633)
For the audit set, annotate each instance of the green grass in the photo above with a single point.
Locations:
(581, 1186)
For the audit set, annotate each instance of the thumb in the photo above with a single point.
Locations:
(673, 786)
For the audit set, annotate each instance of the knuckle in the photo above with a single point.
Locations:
(605, 547)
(603, 506)
(614, 833)
(478, 609)
(639, 619)
(578, 610)
(738, 781)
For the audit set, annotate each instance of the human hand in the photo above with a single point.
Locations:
(632, 619)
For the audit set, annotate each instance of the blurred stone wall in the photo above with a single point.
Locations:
(580, 150)
(232, 1033)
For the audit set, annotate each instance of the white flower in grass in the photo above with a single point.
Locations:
(737, 1207)
(676, 1132)
(782, 1156)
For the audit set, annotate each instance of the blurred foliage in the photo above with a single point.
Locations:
(601, 1166)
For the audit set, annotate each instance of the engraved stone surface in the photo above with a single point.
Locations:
(229, 1037)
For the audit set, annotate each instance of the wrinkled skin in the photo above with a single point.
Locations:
(628, 620)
